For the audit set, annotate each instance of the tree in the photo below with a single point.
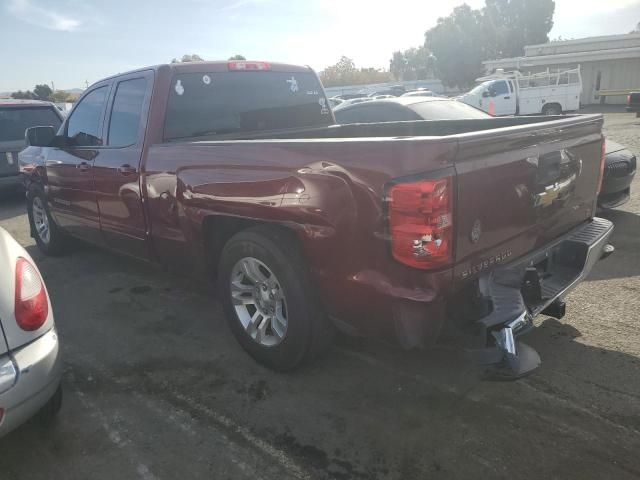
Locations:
(237, 57)
(413, 64)
(42, 92)
(509, 25)
(188, 58)
(458, 43)
(465, 38)
(20, 95)
(60, 96)
(345, 73)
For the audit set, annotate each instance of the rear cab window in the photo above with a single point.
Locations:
(15, 120)
(220, 103)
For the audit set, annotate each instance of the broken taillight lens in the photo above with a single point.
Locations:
(421, 222)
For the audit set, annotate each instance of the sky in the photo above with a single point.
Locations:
(71, 42)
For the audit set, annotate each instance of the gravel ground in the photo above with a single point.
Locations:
(156, 387)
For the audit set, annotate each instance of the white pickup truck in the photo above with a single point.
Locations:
(512, 93)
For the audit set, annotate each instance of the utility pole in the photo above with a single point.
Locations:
(86, 84)
(53, 87)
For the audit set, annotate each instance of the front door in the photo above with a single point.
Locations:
(117, 168)
(503, 98)
(70, 167)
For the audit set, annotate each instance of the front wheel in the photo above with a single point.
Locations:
(269, 300)
(48, 236)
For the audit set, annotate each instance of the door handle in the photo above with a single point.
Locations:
(507, 98)
(126, 169)
(83, 166)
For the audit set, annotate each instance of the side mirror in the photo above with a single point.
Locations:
(39, 136)
(486, 94)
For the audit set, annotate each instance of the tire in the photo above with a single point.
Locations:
(298, 331)
(53, 243)
(50, 410)
(552, 109)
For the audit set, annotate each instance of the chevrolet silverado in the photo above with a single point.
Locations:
(237, 171)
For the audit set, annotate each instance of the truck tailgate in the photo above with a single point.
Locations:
(520, 188)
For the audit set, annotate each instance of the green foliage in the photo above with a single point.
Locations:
(20, 95)
(345, 73)
(188, 58)
(413, 64)
(458, 43)
(60, 96)
(42, 92)
(462, 40)
(237, 57)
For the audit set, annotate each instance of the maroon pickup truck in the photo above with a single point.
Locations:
(237, 171)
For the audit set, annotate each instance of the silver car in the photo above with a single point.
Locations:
(30, 366)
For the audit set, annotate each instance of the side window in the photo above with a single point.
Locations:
(84, 123)
(499, 88)
(124, 125)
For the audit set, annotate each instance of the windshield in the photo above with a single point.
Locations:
(216, 103)
(446, 110)
(14, 121)
(478, 89)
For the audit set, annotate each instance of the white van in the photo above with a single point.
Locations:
(512, 93)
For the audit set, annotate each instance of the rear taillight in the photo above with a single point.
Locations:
(421, 222)
(31, 306)
(243, 65)
(628, 99)
(603, 154)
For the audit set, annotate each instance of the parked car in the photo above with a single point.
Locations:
(394, 91)
(350, 96)
(404, 109)
(30, 367)
(619, 170)
(15, 117)
(335, 101)
(235, 171)
(353, 101)
(633, 103)
(419, 92)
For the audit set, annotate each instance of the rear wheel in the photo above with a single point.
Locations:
(269, 301)
(552, 109)
(48, 236)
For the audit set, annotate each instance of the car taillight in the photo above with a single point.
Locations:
(243, 65)
(31, 305)
(628, 99)
(603, 154)
(421, 222)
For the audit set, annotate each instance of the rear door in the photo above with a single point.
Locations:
(117, 168)
(70, 167)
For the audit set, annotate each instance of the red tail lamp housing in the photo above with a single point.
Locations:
(603, 155)
(421, 222)
(31, 305)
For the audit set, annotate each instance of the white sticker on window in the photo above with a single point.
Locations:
(323, 106)
(206, 79)
(179, 88)
(293, 84)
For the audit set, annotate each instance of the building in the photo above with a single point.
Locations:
(606, 63)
